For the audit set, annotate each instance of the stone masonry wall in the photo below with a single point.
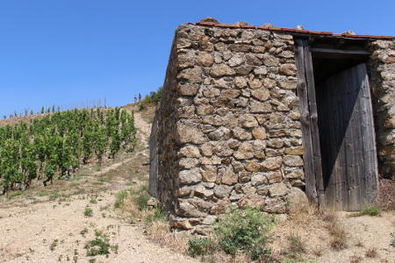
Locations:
(382, 81)
(228, 125)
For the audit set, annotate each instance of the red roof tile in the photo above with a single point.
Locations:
(292, 30)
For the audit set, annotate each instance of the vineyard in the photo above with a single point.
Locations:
(56, 145)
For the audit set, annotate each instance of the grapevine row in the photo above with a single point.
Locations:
(56, 145)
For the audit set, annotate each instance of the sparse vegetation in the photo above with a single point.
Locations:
(296, 246)
(54, 244)
(370, 211)
(392, 244)
(242, 230)
(371, 253)
(88, 212)
(200, 246)
(98, 246)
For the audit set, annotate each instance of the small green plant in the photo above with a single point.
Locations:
(245, 230)
(120, 198)
(88, 212)
(98, 246)
(370, 211)
(200, 246)
(142, 198)
(392, 244)
(296, 247)
(158, 215)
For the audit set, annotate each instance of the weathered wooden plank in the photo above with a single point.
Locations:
(304, 112)
(313, 123)
(340, 51)
(370, 179)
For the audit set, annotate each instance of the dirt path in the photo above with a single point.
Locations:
(58, 231)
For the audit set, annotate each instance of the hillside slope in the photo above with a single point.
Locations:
(52, 224)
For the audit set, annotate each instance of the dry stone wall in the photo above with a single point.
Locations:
(229, 125)
(382, 81)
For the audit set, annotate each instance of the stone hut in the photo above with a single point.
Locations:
(268, 117)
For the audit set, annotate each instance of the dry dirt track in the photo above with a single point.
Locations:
(53, 231)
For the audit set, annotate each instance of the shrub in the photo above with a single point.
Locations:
(88, 212)
(370, 211)
(200, 246)
(245, 230)
(98, 246)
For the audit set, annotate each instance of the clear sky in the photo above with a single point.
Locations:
(64, 52)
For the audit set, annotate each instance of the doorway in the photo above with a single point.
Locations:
(337, 121)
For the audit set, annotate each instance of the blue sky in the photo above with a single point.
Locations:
(64, 52)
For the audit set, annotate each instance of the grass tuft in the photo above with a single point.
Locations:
(88, 212)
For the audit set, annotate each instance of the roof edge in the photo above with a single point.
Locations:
(291, 30)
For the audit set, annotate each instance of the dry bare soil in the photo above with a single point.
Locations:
(54, 224)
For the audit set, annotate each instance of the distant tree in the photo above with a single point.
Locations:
(42, 110)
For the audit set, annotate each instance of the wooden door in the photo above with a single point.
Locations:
(347, 140)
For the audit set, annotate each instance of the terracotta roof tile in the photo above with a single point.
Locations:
(292, 30)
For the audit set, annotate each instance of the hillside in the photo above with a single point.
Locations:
(53, 223)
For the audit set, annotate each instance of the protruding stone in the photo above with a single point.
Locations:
(228, 176)
(240, 82)
(205, 109)
(288, 69)
(278, 189)
(258, 179)
(272, 163)
(241, 134)
(191, 176)
(261, 94)
(188, 163)
(255, 84)
(293, 160)
(188, 210)
(221, 70)
(297, 200)
(222, 191)
(244, 152)
(209, 173)
(221, 207)
(192, 75)
(248, 121)
(252, 166)
(275, 205)
(188, 89)
(209, 20)
(259, 133)
(188, 133)
(252, 201)
(190, 151)
(221, 133)
(205, 59)
(236, 60)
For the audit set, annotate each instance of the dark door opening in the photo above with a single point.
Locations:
(338, 132)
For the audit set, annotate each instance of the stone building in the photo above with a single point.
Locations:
(265, 116)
